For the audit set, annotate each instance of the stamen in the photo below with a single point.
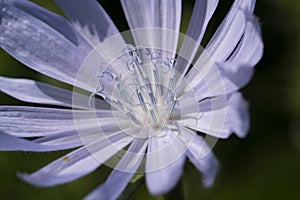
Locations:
(133, 118)
(172, 83)
(172, 105)
(157, 82)
(153, 116)
(142, 102)
(132, 52)
(128, 99)
(137, 73)
(171, 87)
(152, 98)
(147, 83)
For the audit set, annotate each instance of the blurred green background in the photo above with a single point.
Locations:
(264, 165)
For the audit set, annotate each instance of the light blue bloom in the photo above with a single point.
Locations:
(159, 126)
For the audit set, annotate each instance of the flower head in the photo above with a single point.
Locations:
(148, 95)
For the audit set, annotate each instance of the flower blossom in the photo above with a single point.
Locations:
(152, 101)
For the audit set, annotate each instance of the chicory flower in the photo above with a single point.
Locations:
(145, 96)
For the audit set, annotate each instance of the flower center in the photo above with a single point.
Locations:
(145, 97)
(146, 93)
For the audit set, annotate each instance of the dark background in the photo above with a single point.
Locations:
(264, 165)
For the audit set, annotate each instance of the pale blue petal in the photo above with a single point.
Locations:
(63, 140)
(221, 123)
(215, 123)
(230, 31)
(160, 17)
(12, 143)
(206, 80)
(164, 163)
(89, 19)
(237, 76)
(201, 155)
(123, 172)
(94, 24)
(204, 105)
(41, 93)
(79, 136)
(39, 46)
(78, 163)
(54, 20)
(239, 110)
(250, 49)
(36, 121)
(152, 13)
(221, 83)
(238, 68)
(202, 13)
